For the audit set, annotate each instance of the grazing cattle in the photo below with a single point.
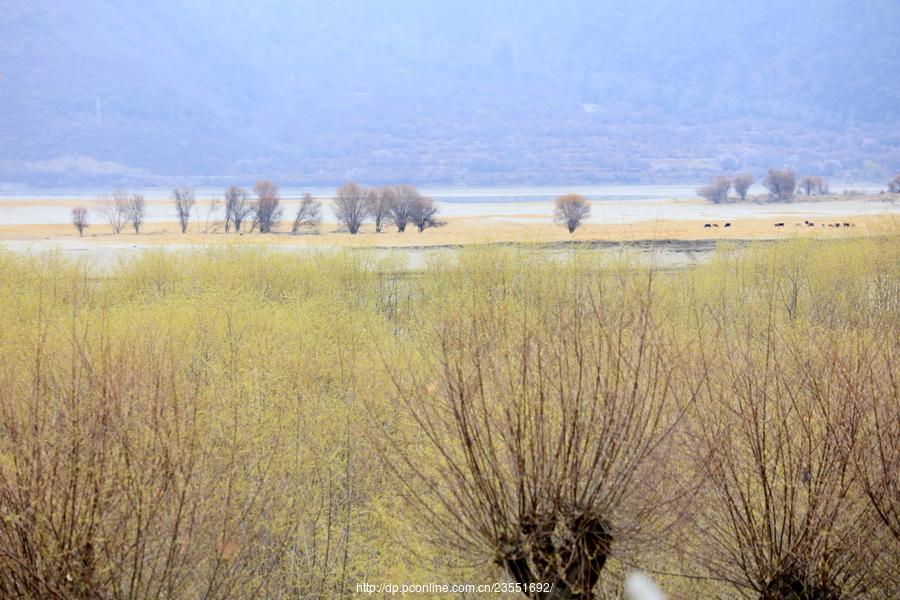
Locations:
(837, 224)
(727, 224)
(707, 226)
(810, 224)
(779, 224)
(715, 224)
(846, 224)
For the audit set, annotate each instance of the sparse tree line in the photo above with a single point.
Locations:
(260, 209)
(353, 205)
(782, 185)
(397, 205)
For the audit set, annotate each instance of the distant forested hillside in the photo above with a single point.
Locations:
(462, 91)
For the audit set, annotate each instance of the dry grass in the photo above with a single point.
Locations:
(467, 231)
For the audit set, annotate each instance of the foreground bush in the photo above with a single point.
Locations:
(119, 481)
(249, 423)
(550, 426)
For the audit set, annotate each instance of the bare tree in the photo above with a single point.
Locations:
(424, 214)
(894, 185)
(546, 441)
(822, 186)
(781, 184)
(742, 185)
(92, 509)
(209, 223)
(717, 191)
(351, 206)
(709, 193)
(570, 210)
(80, 219)
(237, 208)
(183, 197)
(266, 210)
(380, 202)
(309, 215)
(807, 184)
(115, 210)
(878, 458)
(136, 211)
(402, 203)
(810, 184)
(780, 516)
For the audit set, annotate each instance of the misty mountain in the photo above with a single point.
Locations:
(446, 92)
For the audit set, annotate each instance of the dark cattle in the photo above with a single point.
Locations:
(727, 224)
(779, 224)
(837, 224)
(707, 225)
(715, 224)
(810, 224)
(846, 224)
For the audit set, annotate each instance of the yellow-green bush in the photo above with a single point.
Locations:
(254, 390)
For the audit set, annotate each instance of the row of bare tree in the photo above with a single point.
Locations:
(123, 209)
(354, 205)
(781, 183)
(398, 205)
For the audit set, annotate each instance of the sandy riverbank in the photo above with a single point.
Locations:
(46, 226)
